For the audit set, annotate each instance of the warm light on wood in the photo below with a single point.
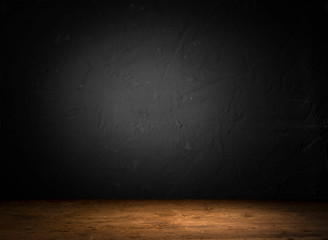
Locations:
(163, 219)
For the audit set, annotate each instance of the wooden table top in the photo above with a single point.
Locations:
(163, 219)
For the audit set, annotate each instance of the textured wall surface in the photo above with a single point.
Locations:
(165, 99)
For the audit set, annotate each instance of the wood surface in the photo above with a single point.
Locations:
(163, 219)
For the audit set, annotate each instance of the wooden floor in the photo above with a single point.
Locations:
(163, 219)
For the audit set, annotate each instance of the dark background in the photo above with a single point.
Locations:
(164, 99)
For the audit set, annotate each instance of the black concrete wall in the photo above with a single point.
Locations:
(164, 99)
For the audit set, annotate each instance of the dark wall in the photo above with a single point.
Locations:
(164, 99)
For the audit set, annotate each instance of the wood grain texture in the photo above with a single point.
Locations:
(163, 219)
